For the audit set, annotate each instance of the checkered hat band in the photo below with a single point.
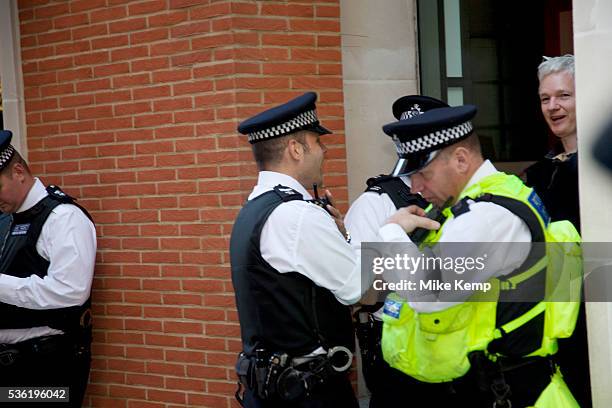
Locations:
(434, 139)
(303, 119)
(6, 155)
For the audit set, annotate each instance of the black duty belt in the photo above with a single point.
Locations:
(10, 353)
(282, 377)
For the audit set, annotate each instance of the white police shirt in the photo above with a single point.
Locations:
(302, 237)
(68, 242)
(366, 215)
(485, 225)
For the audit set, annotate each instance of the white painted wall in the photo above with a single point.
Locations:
(593, 50)
(379, 59)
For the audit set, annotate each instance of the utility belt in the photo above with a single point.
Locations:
(492, 376)
(40, 346)
(275, 375)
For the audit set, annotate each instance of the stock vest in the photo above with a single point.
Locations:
(280, 312)
(19, 258)
(434, 347)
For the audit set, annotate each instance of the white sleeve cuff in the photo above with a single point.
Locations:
(393, 233)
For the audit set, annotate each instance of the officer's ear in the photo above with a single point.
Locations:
(295, 149)
(461, 159)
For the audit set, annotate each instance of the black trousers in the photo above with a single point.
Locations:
(336, 392)
(573, 356)
(61, 366)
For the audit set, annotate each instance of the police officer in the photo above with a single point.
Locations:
(478, 351)
(46, 269)
(383, 196)
(293, 271)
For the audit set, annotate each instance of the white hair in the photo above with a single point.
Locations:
(564, 63)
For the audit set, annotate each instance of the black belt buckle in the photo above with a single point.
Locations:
(8, 356)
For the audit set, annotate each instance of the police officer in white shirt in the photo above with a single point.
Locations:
(293, 271)
(46, 270)
(384, 195)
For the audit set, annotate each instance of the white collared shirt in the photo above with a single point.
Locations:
(302, 237)
(68, 242)
(367, 214)
(485, 224)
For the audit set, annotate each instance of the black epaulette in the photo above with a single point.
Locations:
(287, 193)
(57, 193)
(397, 191)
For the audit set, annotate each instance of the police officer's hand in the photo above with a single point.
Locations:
(411, 218)
(335, 213)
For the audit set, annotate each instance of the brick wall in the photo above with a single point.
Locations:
(132, 107)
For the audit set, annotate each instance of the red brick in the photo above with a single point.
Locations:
(137, 189)
(78, 126)
(327, 11)
(301, 40)
(40, 79)
(95, 112)
(36, 27)
(83, 152)
(111, 69)
(207, 372)
(172, 104)
(74, 47)
(270, 24)
(192, 58)
(90, 31)
(110, 42)
(54, 37)
(152, 120)
(129, 53)
(169, 47)
(295, 10)
(244, 8)
(146, 7)
(112, 96)
(151, 92)
(150, 64)
(193, 87)
(168, 19)
(92, 58)
(83, 5)
(190, 29)
(71, 20)
(131, 80)
(43, 104)
(108, 14)
(289, 69)
(222, 24)
(134, 135)
(127, 25)
(316, 55)
(315, 25)
(212, 41)
(328, 41)
(126, 392)
(207, 400)
(212, 10)
(106, 124)
(149, 36)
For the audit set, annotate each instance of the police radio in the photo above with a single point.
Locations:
(322, 202)
(435, 213)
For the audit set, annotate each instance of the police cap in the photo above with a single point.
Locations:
(418, 137)
(297, 114)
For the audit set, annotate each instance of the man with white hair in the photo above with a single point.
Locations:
(555, 179)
